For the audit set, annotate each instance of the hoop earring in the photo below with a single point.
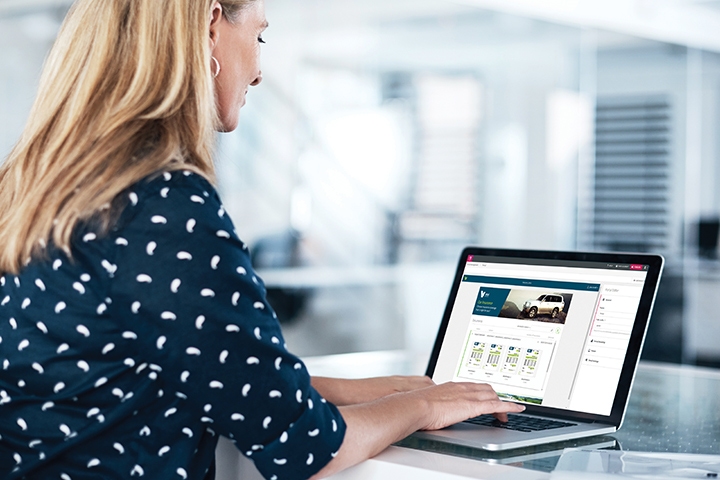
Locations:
(217, 67)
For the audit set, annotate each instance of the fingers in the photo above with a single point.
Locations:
(486, 393)
(498, 407)
(481, 391)
(455, 402)
(501, 416)
(508, 407)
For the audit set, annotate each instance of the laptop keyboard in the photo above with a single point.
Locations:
(520, 423)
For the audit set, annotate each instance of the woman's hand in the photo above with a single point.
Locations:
(372, 427)
(351, 392)
(452, 402)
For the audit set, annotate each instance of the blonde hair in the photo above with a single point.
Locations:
(127, 91)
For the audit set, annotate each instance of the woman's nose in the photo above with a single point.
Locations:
(257, 80)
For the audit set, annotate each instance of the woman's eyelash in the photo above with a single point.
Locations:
(260, 39)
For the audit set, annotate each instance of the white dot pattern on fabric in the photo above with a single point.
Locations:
(109, 267)
(164, 323)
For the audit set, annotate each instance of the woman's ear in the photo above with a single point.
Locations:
(216, 15)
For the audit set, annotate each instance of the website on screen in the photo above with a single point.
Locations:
(552, 335)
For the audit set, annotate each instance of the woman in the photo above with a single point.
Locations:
(133, 331)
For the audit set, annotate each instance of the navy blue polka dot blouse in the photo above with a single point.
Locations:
(131, 358)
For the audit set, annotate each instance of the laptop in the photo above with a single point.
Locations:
(560, 332)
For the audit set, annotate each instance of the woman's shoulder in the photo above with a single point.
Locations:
(161, 183)
(168, 205)
(166, 193)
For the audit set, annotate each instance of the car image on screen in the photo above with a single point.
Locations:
(546, 304)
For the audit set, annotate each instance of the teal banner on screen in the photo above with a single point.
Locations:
(490, 301)
(523, 282)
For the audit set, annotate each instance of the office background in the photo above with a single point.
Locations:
(388, 134)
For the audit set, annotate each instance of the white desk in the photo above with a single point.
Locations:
(395, 463)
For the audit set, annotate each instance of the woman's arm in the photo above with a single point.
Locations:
(350, 392)
(371, 427)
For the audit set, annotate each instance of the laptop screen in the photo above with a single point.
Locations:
(541, 331)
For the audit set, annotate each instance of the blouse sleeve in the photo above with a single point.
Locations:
(185, 281)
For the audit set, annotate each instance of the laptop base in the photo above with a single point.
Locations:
(497, 439)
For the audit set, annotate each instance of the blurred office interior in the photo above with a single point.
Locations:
(388, 134)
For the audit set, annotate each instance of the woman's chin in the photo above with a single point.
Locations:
(227, 126)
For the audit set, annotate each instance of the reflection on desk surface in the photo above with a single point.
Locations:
(540, 457)
(671, 409)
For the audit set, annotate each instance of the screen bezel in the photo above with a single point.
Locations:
(637, 336)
